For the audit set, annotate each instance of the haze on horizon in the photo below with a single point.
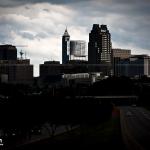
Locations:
(40, 24)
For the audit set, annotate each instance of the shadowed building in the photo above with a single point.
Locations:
(99, 46)
(117, 55)
(50, 72)
(121, 53)
(13, 70)
(16, 73)
(8, 52)
(55, 69)
(135, 66)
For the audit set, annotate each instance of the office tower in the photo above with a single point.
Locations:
(118, 55)
(65, 47)
(99, 46)
(139, 65)
(77, 50)
(134, 66)
(8, 52)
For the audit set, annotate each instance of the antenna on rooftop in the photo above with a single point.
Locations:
(25, 55)
(21, 54)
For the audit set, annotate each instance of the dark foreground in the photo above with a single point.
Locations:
(106, 135)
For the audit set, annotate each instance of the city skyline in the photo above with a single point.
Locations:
(40, 24)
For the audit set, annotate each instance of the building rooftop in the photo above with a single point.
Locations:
(139, 56)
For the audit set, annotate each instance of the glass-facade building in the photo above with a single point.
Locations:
(77, 49)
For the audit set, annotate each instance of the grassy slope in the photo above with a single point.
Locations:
(106, 135)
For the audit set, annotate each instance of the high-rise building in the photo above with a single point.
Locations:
(99, 46)
(8, 52)
(65, 47)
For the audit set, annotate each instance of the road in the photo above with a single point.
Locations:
(135, 126)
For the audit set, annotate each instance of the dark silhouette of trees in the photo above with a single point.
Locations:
(113, 86)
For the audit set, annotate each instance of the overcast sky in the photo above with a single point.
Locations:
(40, 24)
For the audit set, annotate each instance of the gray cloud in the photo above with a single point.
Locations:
(129, 22)
(12, 3)
(27, 35)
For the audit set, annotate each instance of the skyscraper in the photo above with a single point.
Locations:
(99, 46)
(65, 47)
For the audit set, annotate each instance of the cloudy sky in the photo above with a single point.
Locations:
(39, 24)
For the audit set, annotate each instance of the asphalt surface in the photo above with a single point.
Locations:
(135, 126)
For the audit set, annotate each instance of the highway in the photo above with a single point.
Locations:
(135, 126)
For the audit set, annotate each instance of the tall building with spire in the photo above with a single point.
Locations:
(99, 46)
(65, 47)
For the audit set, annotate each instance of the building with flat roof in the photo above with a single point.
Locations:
(48, 70)
(77, 50)
(135, 66)
(51, 62)
(13, 70)
(117, 55)
(16, 73)
(78, 73)
(8, 52)
(121, 53)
